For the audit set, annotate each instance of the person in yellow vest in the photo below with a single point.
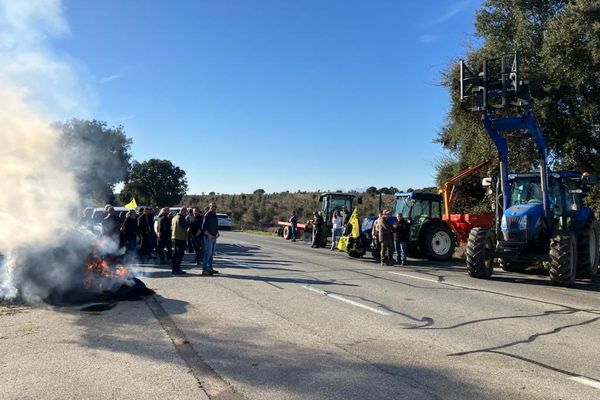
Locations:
(179, 228)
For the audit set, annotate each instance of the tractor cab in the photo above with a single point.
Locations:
(418, 207)
(335, 201)
(430, 236)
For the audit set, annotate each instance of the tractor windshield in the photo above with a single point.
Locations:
(338, 203)
(403, 206)
(525, 191)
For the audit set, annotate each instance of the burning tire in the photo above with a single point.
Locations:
(480, 253)
(563, 259)
(438, 242)
(588, 254)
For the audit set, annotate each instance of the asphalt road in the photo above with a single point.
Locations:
(284, 321)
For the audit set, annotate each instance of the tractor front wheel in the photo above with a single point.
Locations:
(589, 253)
(480, 253)
(563, 259)
(438, 242)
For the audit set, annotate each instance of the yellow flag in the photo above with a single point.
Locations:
(132, 204)
(355, 224)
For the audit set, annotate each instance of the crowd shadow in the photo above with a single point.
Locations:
(257, 360)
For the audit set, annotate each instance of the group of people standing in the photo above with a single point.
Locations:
(391, 236)
(339, 220)
(195, 229)
(201, 227)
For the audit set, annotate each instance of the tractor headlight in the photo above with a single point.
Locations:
(503, 223)
(523, 223)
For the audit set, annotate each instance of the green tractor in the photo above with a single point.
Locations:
(329, 203)
(430, 236)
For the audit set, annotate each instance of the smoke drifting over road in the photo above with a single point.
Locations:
(41, 253)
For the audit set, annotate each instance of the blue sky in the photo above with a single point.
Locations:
(272, 94)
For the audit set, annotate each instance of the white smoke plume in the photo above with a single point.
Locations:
(41, 252)
(52, 83)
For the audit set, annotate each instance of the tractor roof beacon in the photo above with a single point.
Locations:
(540, 216)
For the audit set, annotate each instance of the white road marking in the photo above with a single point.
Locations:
(235, 262)
(586, 381)
(435, 281)
(345, 300)
(415, 277)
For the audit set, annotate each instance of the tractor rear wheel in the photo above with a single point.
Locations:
(511, 266)
(588, 254)
(480, 253)
(438, 242)
(287, 232)
(563, 258)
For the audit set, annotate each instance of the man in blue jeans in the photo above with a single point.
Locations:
(210, 226)
(401, 231)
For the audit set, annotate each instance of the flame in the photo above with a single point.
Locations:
(99, 270)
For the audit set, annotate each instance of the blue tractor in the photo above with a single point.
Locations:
(540, 216)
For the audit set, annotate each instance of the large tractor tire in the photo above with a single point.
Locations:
(280, 231)
(563, 258)
(512, 266)
(588, 254)
(480, 253)
(438, 242)
(287, 232)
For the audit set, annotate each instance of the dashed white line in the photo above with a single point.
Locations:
(586, 381)
(435, 281)
(345, 300)
(415, 277)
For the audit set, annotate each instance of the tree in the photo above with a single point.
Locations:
(559, 46)
(371, 190)
(156, 183)
(259, 192)
(98, 156)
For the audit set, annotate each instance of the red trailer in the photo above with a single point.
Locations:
(461, 224)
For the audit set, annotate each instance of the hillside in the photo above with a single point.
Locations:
(261, 211)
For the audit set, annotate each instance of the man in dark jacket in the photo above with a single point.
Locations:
(210, 227)
(163, 229)
(401, 238)
(145, 230)
(111, 225)
(196, 234)
(385, 235)
(318, 226)
(129, 231)
(293, 224)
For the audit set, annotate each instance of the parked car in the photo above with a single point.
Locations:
(225, 221)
